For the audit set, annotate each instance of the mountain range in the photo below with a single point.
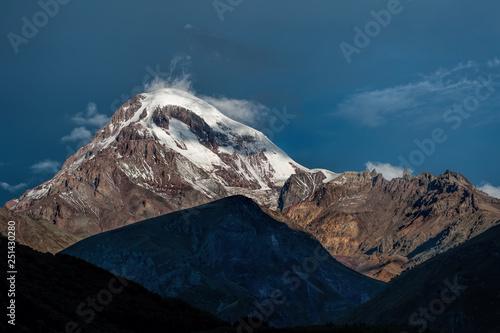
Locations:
(230, 258)
(380, 227)
(209, 210)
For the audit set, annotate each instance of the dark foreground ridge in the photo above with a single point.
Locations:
(50, 288)
(457, 291)
(232, 259)
(53, 294)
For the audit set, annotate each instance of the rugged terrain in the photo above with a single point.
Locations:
(232, 259)
(161, 152)
(380, 227)
(35, 232)
(168, 150)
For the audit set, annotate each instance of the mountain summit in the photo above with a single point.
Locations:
(161, 152)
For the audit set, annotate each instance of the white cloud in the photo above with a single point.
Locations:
(91, 117)
(422, 101)
(177, 76)
(248, 112)
(388, 171)
(80, 134)
(89, 121)
(13, 188)
(182, 83)
(491, 190)
(46, 166)
(494, 62)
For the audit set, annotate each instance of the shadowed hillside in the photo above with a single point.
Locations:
(458, 290)
(49, 289)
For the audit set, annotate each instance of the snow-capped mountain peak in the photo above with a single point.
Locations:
(204, 136)
(169, 147)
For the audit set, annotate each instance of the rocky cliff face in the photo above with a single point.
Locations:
(35, 232)
(161, 152)
(381, 227)
(232, 259)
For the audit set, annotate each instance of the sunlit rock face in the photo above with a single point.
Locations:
(380, 227)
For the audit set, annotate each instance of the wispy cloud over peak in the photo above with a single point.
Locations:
(178, 75)
(247, 112)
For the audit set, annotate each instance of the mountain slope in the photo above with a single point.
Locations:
(36, 233)
(381, 227)
(161, 152)
(472, 305)
(50, 290)
(227, 257)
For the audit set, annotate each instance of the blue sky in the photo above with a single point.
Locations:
(364, 83)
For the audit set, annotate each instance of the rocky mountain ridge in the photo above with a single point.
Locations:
(380, 227)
